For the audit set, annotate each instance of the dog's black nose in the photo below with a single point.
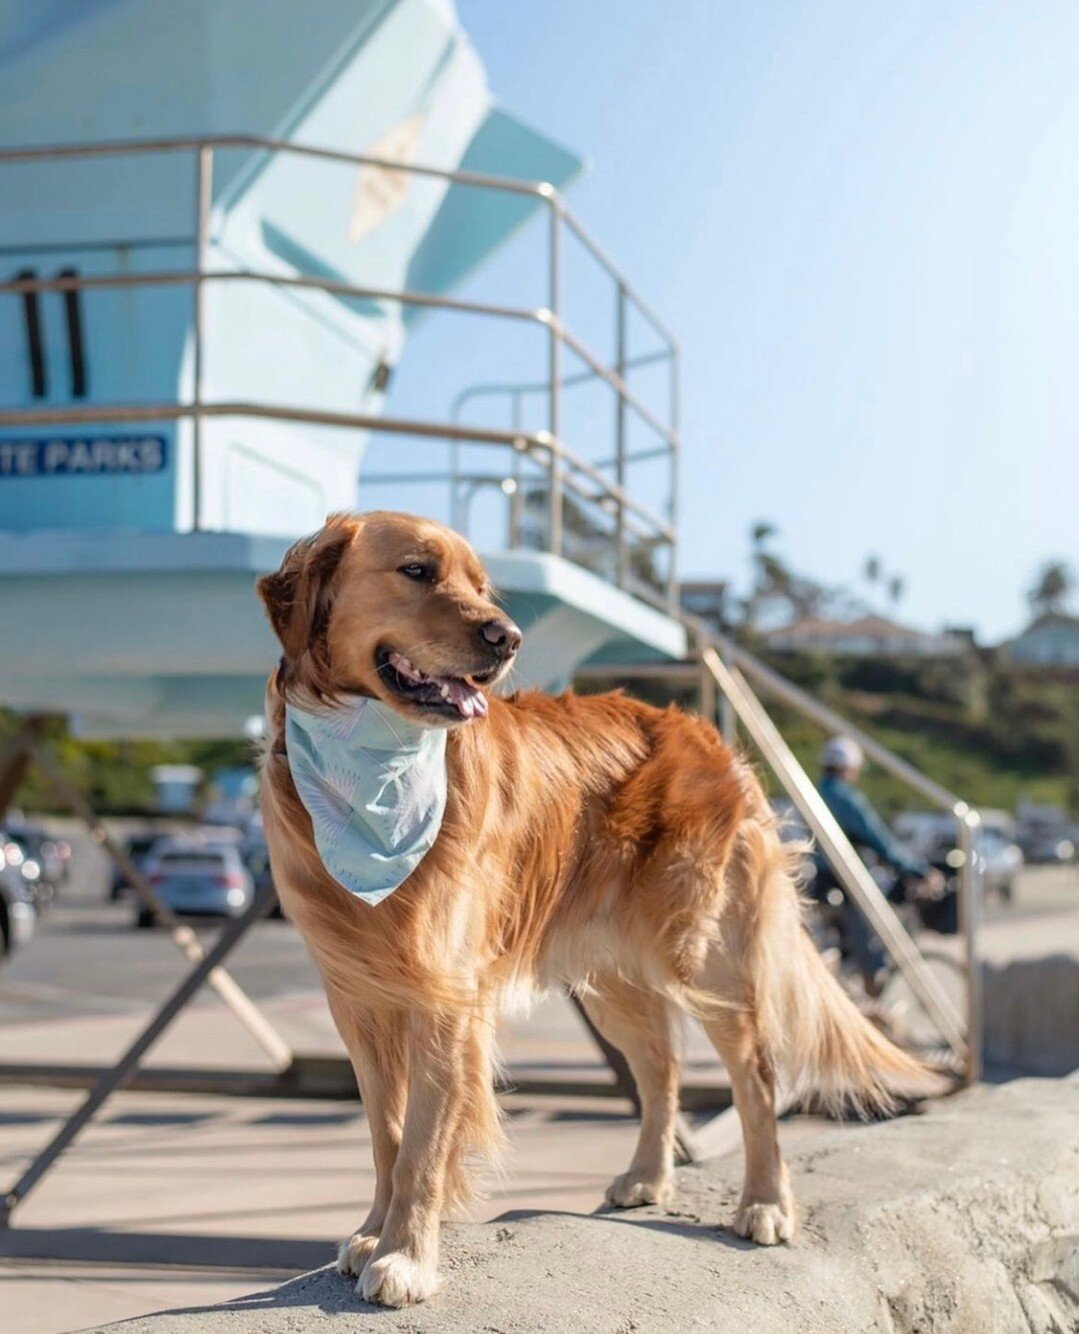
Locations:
(502, 636)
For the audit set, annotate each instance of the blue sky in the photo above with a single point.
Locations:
(862, 220)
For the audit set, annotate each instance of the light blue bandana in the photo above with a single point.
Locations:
(374, 785)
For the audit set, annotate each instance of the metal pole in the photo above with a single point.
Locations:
(183, 937)
(116, 1077)
(15, 760)
(778, 686)
(673, 444)
(728, 722)
(707, 693)
(969, 915)
(455, 472)
(554, 373)
(517, 495)
(621, 548)
(837, 848)
(203, 204)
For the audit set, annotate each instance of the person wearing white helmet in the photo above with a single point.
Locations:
(841, 761)
(842, 754)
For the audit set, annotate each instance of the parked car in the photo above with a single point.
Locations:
(51, 854)
(999, 860)
(256, 857)
(18, 857)
(138, 847)
(17, 912)
(1046, 845)
(197, 877)
(1046, 835)
(924, 831)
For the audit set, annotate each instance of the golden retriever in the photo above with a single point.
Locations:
(594, 842)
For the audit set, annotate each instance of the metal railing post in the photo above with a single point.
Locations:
(203, 205)
(706, 689)
(455, 486)
(673, 444)
(968, 821)
(621, 547)
(513, 533)
(554, 374)
(837, 848)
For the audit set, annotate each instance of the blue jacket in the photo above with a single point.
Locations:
(864, 827)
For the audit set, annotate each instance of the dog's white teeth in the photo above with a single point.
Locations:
(444, 691)
(406, 669)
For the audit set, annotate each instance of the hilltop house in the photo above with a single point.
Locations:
(1050, 640)
(866, 637)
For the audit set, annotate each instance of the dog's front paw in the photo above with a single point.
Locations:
(396, 1279)
(354, 1252)
(636, 1187)
(766, 1224)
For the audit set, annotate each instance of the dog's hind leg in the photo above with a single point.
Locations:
(640, 1023)
(378, 1050)
(766, 1212)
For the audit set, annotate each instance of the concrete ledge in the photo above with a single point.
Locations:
(964, 1219)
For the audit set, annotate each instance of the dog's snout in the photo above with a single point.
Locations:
(502, 636)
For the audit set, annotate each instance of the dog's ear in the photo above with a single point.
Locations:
(297, 596)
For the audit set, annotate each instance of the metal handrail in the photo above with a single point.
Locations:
(618, 384)
(188, 277)
(557, 457)
(838, 849)
(512, 388)
(193, 143)
(601, 256)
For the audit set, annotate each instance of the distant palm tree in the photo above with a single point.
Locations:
(897, 586)
(1051, 588)
(873, 574)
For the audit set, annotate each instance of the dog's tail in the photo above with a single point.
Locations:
(821, 1044)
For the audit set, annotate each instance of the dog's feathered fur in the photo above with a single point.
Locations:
(595, 842)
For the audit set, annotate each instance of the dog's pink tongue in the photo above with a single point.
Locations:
(467, 700)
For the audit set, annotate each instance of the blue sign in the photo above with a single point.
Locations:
(83, 456)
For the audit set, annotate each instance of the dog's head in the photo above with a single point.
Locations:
(391, 606)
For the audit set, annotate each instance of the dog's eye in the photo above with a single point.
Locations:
(421, 573)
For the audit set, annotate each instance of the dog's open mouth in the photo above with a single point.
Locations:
(448, 696)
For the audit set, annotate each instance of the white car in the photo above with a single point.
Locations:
(199, 878)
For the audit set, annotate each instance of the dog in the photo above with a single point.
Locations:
(589, 842)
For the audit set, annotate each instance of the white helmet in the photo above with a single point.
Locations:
(841, 752)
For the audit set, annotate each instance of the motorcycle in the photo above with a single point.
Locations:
(938, 912)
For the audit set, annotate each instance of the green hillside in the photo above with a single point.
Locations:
(993, 735)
